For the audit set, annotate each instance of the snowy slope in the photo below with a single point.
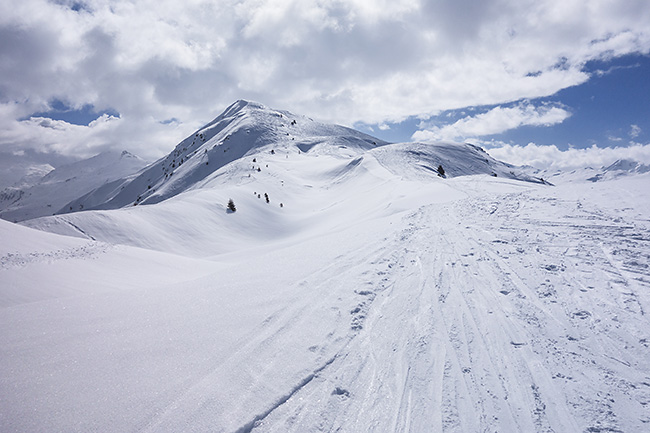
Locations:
(59, 186)
(315, 171)
(21, 169)
(380, 297)
(242, 129)
(488, 305)
(316, 189)
(38, 266)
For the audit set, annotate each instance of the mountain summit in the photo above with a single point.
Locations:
(621, 167)
(244, 128)
(248, 128)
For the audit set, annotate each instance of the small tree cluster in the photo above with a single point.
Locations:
(441, 171)
(231, 206)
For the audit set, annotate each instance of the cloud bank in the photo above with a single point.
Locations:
(550, 157)
(340, 61)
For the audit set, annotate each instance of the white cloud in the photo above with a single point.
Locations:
(341, 61)
(104, 133)
(494, 121)
(635, 131)
(614, 138)
(551, 157)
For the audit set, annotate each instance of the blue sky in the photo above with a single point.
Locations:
(603, 109)
(523, 79)
(59, 110)
(611, 109)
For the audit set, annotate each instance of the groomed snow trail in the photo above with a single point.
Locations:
(518, 312)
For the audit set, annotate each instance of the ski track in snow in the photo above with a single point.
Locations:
(78, 229)
(518, 311)
(463, 328)
(278, 332)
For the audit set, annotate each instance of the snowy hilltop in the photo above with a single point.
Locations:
(277, 274)
(617, 170)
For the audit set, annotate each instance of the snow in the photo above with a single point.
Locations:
(379, 297)
(57, 187)
(243, 129)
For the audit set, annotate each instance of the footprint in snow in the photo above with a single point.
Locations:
(582, 314)
(341, 391)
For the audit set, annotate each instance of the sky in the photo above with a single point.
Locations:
(553, 83)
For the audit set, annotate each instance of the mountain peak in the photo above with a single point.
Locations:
(127, 154)
(250, 129)
(241, 105)
(628, 165)
(621, 167)
(243, 128)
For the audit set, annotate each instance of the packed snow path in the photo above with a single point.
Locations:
(516, 308)
(517, 313)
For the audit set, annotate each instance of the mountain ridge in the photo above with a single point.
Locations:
(247, 128)
(241, 129)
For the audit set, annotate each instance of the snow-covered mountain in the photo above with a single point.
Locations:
(622, 167)
(354, 289)
(244, 128)
(57, 187)
(246, 152)
(247, 129)
(618, 169)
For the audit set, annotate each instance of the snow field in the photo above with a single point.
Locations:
(379, 298)
(513, 308)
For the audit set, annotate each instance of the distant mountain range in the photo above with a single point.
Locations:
(49, 194)
(621, 167)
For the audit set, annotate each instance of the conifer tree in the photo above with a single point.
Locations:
(231, 206)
